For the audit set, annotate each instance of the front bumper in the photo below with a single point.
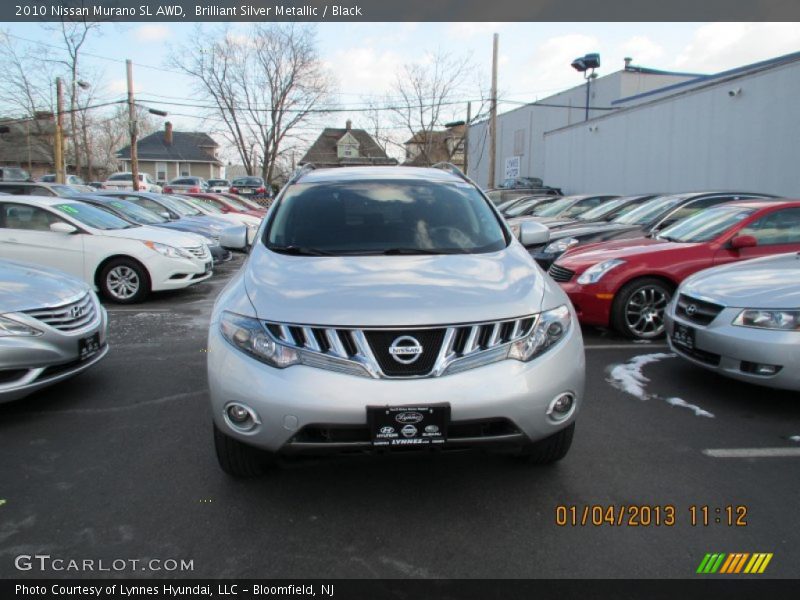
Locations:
(178, 273)
(730, 350)
(28, 364)
(290, 401)
(591, 302)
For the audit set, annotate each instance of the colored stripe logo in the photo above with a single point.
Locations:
(734, 563)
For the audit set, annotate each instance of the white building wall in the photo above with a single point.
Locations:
(696, 140)
(534, 120)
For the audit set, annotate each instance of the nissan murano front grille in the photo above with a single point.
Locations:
(399, 353)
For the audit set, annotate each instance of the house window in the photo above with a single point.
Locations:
(185, 169)
(161, 171)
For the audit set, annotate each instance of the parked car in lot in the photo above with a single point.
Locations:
(497, 196)
(14, 174)
(604, 212)
(649, 218)
(743, 320)
(125, 261)
(564, 207)
(68, 180)
(183, 185)
(513, 183)
(627, 284)
(253, 203)
(219, 186)
(52, 327)
(231, 204)
(210, 209)
(37, 188)
(401, 293)
(249, 186)
(124, 181)
(132, 212)
(527, 204)
(233, 234)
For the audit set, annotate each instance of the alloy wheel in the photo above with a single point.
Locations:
(644, 312)
(123, 282)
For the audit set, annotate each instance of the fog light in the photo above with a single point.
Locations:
(760, 369)
(561, 406)
(241, 417)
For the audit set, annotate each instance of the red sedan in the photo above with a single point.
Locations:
(230, 205)
(627, 284)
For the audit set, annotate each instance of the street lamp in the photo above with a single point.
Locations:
(586, 65)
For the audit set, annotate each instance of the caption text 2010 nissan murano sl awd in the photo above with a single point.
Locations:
(388, 309)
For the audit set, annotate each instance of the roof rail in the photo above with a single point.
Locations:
(300, 171)
(450, 168)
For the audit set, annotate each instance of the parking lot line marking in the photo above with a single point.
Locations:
(752, 452)
(137, 310)
(622, 346)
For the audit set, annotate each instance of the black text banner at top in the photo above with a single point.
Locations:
(402, 10)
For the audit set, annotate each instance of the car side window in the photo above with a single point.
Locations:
(40, 191)
(29, 218)
(690, 208)
(16, 190)
(779, 227)
(148, 204)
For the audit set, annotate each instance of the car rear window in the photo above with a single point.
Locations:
(121, 177)
(248, 181)
(384, 217)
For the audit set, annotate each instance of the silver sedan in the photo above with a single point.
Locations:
(742, 321)
(52, 327)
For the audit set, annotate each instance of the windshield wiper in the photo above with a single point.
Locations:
(299, 251)
(411, 251)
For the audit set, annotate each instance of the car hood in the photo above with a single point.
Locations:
(585, 256)
(156, 234)
(24, 287)
(772, 282)
(395, 291)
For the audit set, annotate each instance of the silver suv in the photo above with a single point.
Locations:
(387, 309)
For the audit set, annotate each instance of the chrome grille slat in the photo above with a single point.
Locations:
(67, 317)
(459, 348)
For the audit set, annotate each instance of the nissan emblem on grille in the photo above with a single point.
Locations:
(405, 349)
(691, 309)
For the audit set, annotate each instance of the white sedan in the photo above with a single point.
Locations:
(208, 208)
(124, 181)
(124, 261)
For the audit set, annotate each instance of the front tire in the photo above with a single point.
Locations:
(639, 308)
(238, 459)
(124, 281)
(550, 449)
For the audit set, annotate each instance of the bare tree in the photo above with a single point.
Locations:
(105, 136)
(260, 85)
(428, 96)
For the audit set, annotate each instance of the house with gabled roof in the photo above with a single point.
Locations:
(346, 147)
(168, 154)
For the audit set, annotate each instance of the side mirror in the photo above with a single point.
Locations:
(743, 241)
(61, 227)
(532, 233)
(165, 214)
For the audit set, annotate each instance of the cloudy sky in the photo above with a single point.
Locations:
(364, 57)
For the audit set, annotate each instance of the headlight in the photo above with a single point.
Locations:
(561, 246)
(595, 273)
(250, 336)
(168, 251)
(12, 328)
(784, 320)
(550, 327)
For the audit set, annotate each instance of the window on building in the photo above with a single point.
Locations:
(161, 171)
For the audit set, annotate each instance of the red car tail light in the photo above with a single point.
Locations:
(261, 190)
(167, 189)
(234, 190)
(194, 190)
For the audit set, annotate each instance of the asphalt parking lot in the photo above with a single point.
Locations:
(118, 463)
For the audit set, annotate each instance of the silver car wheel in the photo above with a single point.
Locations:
(122, 282)
(644, 312)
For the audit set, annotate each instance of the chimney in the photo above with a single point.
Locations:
(349, 125)
(628, 60)
(168, 133)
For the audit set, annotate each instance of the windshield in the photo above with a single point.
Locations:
(650, 211)
(554, 209)
(246, 181)
(92, 216)
(519, 208)
(136, 213)
(179, 205)
(121, 177)
(600, 211)
(706, 225)
(248, 203)
(384, 217)
(204, 204)
(217, 182)
(235, 203)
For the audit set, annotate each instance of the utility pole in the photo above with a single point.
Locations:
(58, 154)
(493, 115)
(466, 138)
(132, 126)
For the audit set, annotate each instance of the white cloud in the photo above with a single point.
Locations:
(365, 69)
(720, 46)
(152, 33)
(642, 49)
(548, 68)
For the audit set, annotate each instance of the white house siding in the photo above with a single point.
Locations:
(695, 140)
